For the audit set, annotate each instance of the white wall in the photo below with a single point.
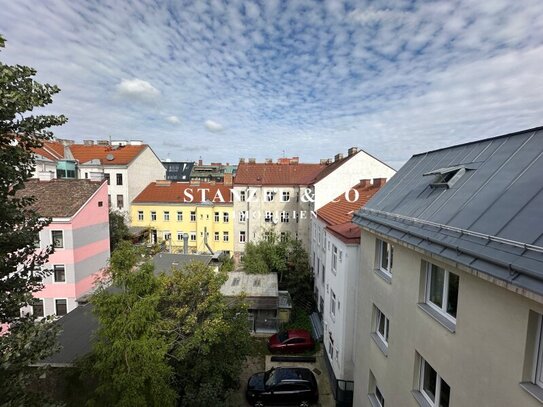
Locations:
(143, 170)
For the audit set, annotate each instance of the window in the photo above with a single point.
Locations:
(58, 239)
(242, 236)
(37, 308)
(284, 237)
(269, 196)
(140, 215)
(225, 217)
(106, 176)
(386, 253)
(334, 258)
(268, 217)
(166, 215)
(119, 179)
(284, 217)
(153, 215)
(179, 216)
(285, 196)
(242, 196)
(193, 216)
(442, 290)
(59, 274)
(225, 236)
(243, 216)
(332, 303)
(167, 236)
(217, 236)
(433, 388)
(120, 201)
(179, 235)
(217, 217)
(100, 204)
(379, 397)
(109, 200)
(267, 236)
(61, 307)
(192, 236)
(381, 326)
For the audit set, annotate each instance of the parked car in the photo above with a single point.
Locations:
(283, 386)
(293, 340)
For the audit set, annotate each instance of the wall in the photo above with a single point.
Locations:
(482, 361)
(143, 170)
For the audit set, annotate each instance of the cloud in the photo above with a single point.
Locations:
(213, 126)
(173, 119)
(137, 88)
(185, 147)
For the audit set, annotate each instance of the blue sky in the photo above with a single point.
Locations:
(229, 79)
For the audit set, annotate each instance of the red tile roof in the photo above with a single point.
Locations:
(52, 150)
(276, 174)
(337, 215)
(59, 198)
(121, 155)
(332, 167)
(174, 192)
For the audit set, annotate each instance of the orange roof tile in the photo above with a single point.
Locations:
(52, 150)
(175, 192)
(121, 155)
(277, 174)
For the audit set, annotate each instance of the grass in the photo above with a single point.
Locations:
(258, 347)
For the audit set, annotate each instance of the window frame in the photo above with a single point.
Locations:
(243, 216)
(225, 217)
(244, 234)
(153, 216)
(442, 310)
(390, 257)
(335, 255)
(193, 216)
(225, 236)
(56, 309)
(269, 196)
(285, 196)
(166, 216)
(216, 237)
(120, 201)
(437, 395)
(217, 217)
(140, 216)
(180, 216)
(333, 301)
(386, 326)
(193, 236)
(53, 239)
(284, 217)
(54, 274)
(42, 304)
(119, 177)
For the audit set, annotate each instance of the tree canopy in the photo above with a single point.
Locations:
(21, 274)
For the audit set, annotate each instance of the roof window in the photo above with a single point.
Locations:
(446, 177)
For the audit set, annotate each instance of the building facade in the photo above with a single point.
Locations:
(79, 233)
(450, 300)
(203, 211)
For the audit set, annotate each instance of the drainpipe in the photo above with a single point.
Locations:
(185, 243)
(205, 240)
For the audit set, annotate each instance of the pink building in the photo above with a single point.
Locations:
(79, 232)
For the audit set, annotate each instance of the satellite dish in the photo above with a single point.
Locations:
(110, 157)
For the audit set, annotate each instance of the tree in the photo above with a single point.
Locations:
(165, 337)
(118, 230)
(20, 275)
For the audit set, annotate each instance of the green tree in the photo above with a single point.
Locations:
(20, 275)
(118, 230)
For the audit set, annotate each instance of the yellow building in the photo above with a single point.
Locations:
(204, 212)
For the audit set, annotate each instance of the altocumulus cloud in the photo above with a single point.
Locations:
(173, 120)
(213, 126)
(137, 88)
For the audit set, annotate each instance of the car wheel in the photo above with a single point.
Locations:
(259, 404)
(304, 404)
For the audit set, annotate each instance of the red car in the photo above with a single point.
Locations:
(293, 340)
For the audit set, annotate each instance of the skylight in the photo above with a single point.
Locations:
(446, 177)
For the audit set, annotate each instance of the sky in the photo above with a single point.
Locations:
(220, 80)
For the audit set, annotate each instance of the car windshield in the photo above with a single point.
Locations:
(271, 377)
(282, 336)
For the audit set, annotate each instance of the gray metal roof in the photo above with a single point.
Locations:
(164, 262)
(489, 219)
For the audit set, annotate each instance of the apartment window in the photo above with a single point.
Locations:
(179, 235)
(269, 196)
(61, 307)
(381, 326)
(217, 236)
(334, 258)
(193, 216)
(242, 196)
(284, 237)
(268, 217)
(109, 200)
(432, 387)
(332, 303)
(284, 217)
(59, 274)
(120, 201)
(119, 179)
(386, 253)
(285, 196)
(242, 236)
(192, 236)
(166, 215)
(179, 216)
(58, 239)
(225, 217)
(243, 216)
(267, 236)
(106, 176)
(37, 308)
(153, 215)
(442, 290)
(225, 236)
(167, 236)
(379, 397)
(140, 215)
(217, 217)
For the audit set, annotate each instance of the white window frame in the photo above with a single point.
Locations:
(179, 236)
(243, 216)
(538, 354)
(268, 217)
(140, 216)
(383, 336)
(332, 304)
(55, 305)
(334, 258)
(284, 217)
(242, 196)
(285, 196)
(42, 307)
(439, 379)
(242, 236)
(54, 275)
(193, 236)
(225, 237)
(63, 240)
(269, 196)
(445, 294)
(283, 237)
(167, 235)
(217, 217)
(166, 215)
(390, 260)
(180, 216)
(193, 216)
(153, 216)
(217, 236)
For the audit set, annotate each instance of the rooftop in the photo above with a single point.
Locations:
(253, 285)
(478, 204)
(276, 173)
(164, 262)
(108, 155)
(174, 192)
(59, 198)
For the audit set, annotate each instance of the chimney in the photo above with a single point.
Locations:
(338, 157)
(163, 183)
(379, 182)
(212, 182)
(228, 179)
(46, 175)
(352, 151)
(135, 142)
(328, 161)
(195, 182)
(252, 160)
(323, 161)
(365, 182)
(119, 143)
(294, 160)
(102, 142)
(268, 161)
(200, 162)
(88, 142)
(242, 160)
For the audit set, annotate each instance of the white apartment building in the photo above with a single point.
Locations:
(450, 289)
